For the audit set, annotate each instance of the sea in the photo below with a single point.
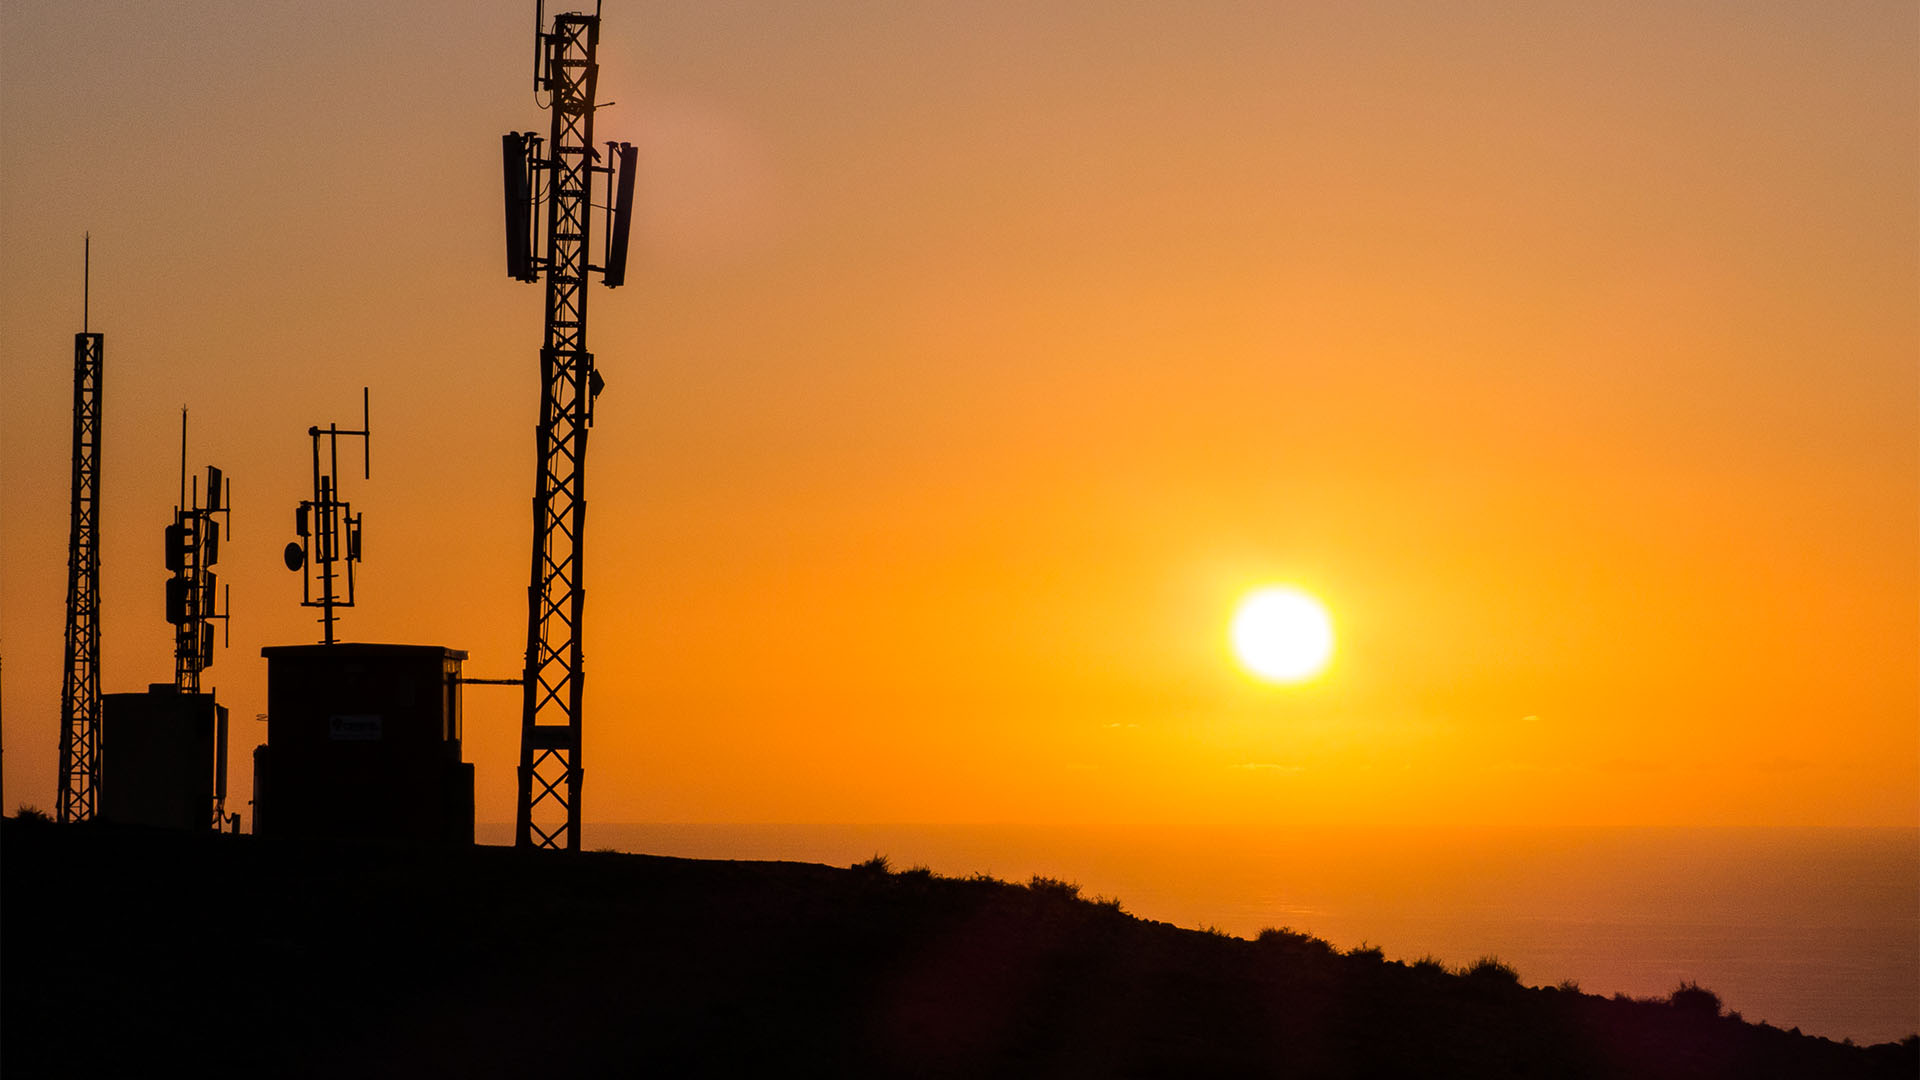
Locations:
(1816, 929)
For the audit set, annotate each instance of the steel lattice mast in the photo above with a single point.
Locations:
(550, 773)
(80, 695)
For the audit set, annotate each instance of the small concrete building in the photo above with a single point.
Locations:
(163, 758)
(363, 741)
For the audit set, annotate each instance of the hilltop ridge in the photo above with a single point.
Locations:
(128, 950)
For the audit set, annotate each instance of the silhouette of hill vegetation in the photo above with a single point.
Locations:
(134, 953)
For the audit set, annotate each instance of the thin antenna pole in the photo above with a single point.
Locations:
(183, 458)
(318, 527)
(539, 28)
(86, 277)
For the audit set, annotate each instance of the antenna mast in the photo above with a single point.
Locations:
(193, 546)
(79, 791)
(328, 528)
(194, 602)
(550, 772)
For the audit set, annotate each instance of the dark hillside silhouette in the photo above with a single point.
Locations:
(231, 955)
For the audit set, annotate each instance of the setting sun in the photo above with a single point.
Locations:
(1282, 635)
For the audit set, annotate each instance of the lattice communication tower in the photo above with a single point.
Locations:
(566, 70)
(79, 791)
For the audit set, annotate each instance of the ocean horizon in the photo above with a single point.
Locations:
(1809, 928)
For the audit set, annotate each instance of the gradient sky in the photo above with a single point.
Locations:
(977, 357)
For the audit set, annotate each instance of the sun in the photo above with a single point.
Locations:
(1282, 635)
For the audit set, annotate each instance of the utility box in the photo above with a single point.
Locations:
(163, 758)
(363, 741)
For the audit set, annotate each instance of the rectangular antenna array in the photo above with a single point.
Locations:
(193, 592)
(517, 154)
(626, 158)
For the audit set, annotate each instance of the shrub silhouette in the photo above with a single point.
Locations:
(1430, 965)
(878, 866)
(1490, 970)
(1366, 952)
(1293, 943)
(1046, 886)
(32, 815)
(1695, 1000)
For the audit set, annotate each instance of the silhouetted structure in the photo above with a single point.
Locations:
(193, 546)
(328, 528)
(164, 758)
(78, 792)
(193, 605)
(550, 772)
(363, 741)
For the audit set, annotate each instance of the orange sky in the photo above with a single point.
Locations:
(976, 358)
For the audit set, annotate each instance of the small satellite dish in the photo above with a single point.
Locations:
(295, 555)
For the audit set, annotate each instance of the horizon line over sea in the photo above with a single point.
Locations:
(1814, 927)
